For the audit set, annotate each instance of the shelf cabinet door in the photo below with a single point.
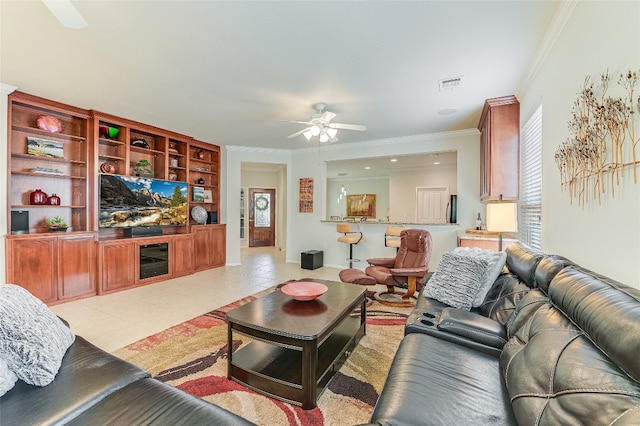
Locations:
(118, 266)
(500, 149)
(209, 243)
(202, 247)
(219, 245)
(33, 265)
(76, 261)
(182, 260)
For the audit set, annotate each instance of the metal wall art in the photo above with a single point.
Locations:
(604, 137)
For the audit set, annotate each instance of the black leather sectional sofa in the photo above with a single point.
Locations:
(552, 344)
(93, 387)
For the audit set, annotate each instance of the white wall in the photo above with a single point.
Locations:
(403, 189)
(307, 232)
(378, 186)
(269, 179)
(598, 36)
(234, 157)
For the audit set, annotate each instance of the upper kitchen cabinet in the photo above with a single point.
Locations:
(499, 148)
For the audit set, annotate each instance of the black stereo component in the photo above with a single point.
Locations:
(212, 217)
(143, 231)
(19, 222)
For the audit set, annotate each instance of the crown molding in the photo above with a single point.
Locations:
(240, 148)
(562, 15)
(7, 89)
(391, 141)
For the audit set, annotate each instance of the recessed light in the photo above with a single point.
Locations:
(435, 163)
(448, 111)
(367, 168)
(393, 160)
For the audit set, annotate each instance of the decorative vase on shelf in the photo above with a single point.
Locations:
(200, 155)
(58, 229)
(38, 197)
(200, 181)
(53, 200)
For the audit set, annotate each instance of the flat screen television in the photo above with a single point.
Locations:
(129, 201)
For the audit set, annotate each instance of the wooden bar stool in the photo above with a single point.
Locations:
(351, 237)
(392, 236)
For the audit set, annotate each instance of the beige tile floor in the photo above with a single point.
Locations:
(115, 320)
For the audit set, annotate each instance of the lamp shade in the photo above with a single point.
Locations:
(502, 217)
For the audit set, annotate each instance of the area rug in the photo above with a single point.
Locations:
(192, 356)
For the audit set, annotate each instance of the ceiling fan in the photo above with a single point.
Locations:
(66, 13)
(320, 125)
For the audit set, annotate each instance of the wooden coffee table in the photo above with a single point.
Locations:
(296, 347)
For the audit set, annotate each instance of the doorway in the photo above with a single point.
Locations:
(262, 217)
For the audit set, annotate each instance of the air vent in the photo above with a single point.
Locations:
(342, 174)
(452, 83)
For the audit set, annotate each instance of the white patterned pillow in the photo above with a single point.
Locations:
(457, 280)
(495, 263)
(8, 378)
(33, 339)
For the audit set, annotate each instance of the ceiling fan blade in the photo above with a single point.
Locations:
(298, 133)
(327, 116)
(358, 127)
(308, 123)
(66, 13)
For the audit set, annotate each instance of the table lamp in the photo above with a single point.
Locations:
(502, 216)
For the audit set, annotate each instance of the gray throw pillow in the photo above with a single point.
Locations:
(456, 280)
(495, 264)
(8, 378)
(33, 340)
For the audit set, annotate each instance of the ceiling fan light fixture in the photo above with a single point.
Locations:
(315, 130)
(332, 132)
(324, 137)
(307, 135)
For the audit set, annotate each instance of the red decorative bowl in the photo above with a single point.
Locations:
(49, 123)
(304, 290)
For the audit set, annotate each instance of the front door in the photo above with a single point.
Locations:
(262, 215)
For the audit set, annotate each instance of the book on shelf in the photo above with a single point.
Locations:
(198, 194)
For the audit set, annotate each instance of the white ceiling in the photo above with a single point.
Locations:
(229, 72)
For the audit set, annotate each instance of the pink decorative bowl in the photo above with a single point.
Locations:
(304, 290)
(49, 123)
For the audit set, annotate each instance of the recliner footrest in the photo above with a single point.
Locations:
(356, 276)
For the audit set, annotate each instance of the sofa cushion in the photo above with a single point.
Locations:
(495, 263)
(573, 358)
(33, 340)
(87, 375)
(150, 401)
(522, 261)
(433, 381)
(607, 311)
(457, 280)
(8, 378)
(547, 269)
(503, 296)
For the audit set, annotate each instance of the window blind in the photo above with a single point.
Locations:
(530, 208)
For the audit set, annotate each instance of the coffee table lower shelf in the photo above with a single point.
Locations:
(279, 370)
